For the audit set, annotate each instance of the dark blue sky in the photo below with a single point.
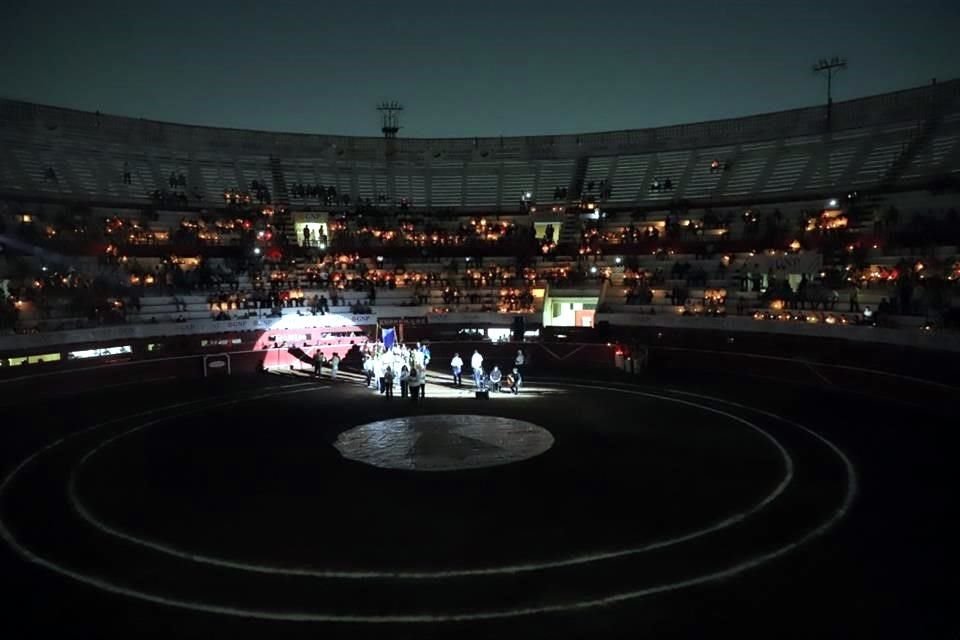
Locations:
(464, 69)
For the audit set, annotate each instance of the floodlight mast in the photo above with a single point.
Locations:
(390, 118)
(830, 66)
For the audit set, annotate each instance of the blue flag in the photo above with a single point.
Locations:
(389, 337)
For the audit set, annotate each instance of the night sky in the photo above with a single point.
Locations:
(464, 69)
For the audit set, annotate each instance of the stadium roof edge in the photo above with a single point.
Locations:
(939, 88)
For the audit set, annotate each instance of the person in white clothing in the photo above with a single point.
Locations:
(378, 372)
(456, 365)
(368, 368)
(476, 361)
(334, 365)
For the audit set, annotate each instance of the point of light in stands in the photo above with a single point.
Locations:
(256, 251)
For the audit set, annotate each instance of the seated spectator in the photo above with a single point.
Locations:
(496, 378)
(514, 380)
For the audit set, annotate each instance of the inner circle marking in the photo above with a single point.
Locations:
(518, 568)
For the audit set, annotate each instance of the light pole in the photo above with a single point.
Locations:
(390, 118)
(830, 66)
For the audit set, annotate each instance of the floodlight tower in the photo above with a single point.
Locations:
(390, 118)
(831, 66)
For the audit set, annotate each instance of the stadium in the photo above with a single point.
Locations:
(731, 347)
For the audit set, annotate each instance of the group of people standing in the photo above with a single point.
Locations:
(494, 380)
(384, 368)
(319, 361)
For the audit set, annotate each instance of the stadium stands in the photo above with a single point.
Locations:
(110, 220)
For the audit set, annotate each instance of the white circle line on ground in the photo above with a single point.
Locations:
(76, 434)
(852, 479)
(70, 436)
(732, 571)
(513, 569)
(758, 356)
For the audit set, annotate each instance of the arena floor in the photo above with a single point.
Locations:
(680, 504)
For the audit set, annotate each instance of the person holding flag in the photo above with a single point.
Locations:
(388, 337)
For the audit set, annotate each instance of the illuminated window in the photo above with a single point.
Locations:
(43, 357)
(154, 346)
(98, 353)
(222, 342)
(34, 359)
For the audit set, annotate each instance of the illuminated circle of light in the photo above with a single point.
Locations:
(304, 616)
(443, 442)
